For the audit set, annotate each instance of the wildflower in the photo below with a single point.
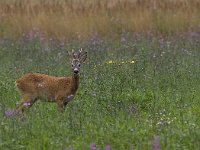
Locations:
(132, 62)
(62, 44)
(154, 143)
(9, 112)
(110, 62)
(123, 39)
(92, 146)
(123, 62)
(107, 147)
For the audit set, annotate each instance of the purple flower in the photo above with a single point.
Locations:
(92, 146)
(154, 143)
(62, 44)
(107, 147)
(123, 39)
(30, 35)
(9, 113)
(41, 37)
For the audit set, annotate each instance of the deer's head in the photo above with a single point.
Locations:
(77, 59)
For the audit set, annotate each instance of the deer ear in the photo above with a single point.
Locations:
(83, 57)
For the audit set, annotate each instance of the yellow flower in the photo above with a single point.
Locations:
(132, 62)
(122, 62)
(111, 62)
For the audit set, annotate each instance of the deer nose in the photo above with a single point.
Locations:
(75, 70)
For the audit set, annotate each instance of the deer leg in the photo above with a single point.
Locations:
(60, 104)
(63, 101)
(68, 99)
(24, 104)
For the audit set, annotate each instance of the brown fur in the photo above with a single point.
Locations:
(34, 86)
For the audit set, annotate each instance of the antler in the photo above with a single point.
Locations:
(80, 53)
(77, 54)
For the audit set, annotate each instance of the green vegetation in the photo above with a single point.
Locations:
(131, 91)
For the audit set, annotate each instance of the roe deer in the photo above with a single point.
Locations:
(34, 86)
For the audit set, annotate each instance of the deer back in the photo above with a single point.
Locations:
(44, 86)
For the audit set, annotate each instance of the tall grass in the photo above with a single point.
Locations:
(80, 19)
(133, 93)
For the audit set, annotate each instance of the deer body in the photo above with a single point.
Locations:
(34, 86)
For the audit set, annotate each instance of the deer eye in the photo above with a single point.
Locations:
(72, 65)
(79, 65)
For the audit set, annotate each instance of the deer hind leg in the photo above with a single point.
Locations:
(26, 102)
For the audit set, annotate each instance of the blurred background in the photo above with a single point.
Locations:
(80, 19)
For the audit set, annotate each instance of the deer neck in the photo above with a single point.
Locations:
(75, 83)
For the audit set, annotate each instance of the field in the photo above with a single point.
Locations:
(139, 86)
(131, 92)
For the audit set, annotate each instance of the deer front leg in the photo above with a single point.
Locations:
(62, 102)
(68, 99)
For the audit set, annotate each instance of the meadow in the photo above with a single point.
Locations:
(132, 91)
(139, 86)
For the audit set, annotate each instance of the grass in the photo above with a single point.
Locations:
(131, 92)
(80, 19)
